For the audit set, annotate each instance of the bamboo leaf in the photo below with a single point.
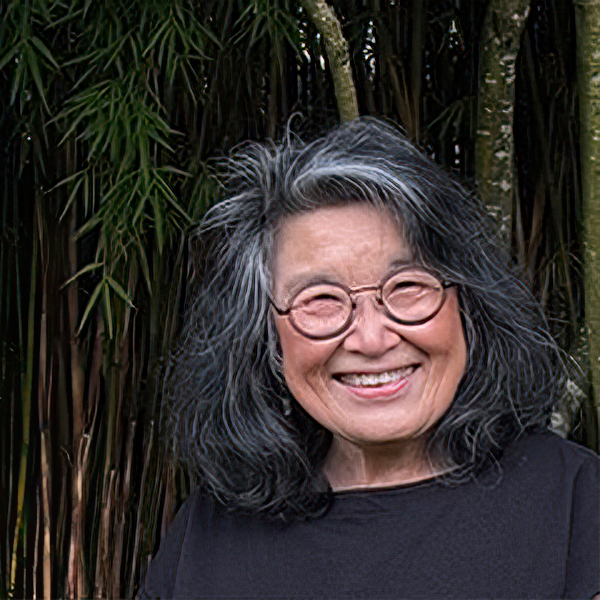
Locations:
(17, 81)
(144, 158)
(135, 51)
(35, 72)
(182, 36)
(86, 193)
(86, 269)
(4, 61)
(140, 207)
(118, 45)
(42, 48)
(65, 180)
(88, 226)
(155, 38)
(70, 16)
(177, 171)
(163, 43)
(108, 309)
(100, 134)
(71, 198)
(144, 264)
(188, 83)
(178, 12)
(90, 57)
(167, 191)
(72, 128)
(171, 198)
(158, 223)
(116, 286)
(173, 202)
(208, 33)
(90, 305)
(159, 140)
(171, 58)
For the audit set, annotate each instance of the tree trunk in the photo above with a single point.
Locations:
(588, 56)
(336, 46)
(494, 146)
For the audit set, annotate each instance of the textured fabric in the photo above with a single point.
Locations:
(529, 531)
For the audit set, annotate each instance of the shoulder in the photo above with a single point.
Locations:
(555, 476)
(547, 453)
(162, 569)
(544, 472)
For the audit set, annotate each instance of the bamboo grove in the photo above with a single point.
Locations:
(114, 116)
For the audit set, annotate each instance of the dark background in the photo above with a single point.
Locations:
(113, 116)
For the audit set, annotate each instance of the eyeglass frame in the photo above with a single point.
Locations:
(361, 289)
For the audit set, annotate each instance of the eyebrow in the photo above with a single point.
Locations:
(304, 280)
(401, 262)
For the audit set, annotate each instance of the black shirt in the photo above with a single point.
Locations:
(529, 531)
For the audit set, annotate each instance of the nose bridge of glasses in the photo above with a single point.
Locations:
(363, 290)
(366, 289)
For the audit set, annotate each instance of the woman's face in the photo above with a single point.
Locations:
(356, 245)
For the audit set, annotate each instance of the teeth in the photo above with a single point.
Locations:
(373, 379)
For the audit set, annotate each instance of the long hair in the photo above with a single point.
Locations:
(225, 397)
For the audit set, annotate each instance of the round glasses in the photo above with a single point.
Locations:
(411, 296)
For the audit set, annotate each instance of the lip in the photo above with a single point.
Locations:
(382, 392)
(378, 371)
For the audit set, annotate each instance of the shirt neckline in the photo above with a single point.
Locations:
(367, 491)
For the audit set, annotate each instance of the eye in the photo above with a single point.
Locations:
(321, 300)
(408, 288)
(320, 304)
(405, 285)
(412, 291)
(320, 310)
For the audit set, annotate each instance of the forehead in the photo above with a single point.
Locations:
(354, 244)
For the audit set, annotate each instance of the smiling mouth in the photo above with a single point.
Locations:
(374, 380)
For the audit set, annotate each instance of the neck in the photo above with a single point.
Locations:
(350, 465)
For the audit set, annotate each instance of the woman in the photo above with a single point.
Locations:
(364, 391)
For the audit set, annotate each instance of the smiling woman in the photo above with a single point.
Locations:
(377, 381)
(363, 391)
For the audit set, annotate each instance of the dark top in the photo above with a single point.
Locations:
(534, 533)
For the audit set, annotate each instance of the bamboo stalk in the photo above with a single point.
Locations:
(140, 507)
(7, 427)
(416, 75)
(75, 575)
(44, 396)
(45, 510)
(494, 152)
(328, 25)
(102, 580)
(36, 545)
(76, 585)
(26, 388)
(45, 487)
(588, 53)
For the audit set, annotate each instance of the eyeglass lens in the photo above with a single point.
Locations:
(323, 310)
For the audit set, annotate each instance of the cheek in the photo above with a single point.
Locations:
(453, 352)
(444, 341)
(304, 362)
(457, 341)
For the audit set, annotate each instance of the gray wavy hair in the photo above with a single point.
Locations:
(224, 393)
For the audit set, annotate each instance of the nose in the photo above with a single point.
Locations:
(372, 332)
